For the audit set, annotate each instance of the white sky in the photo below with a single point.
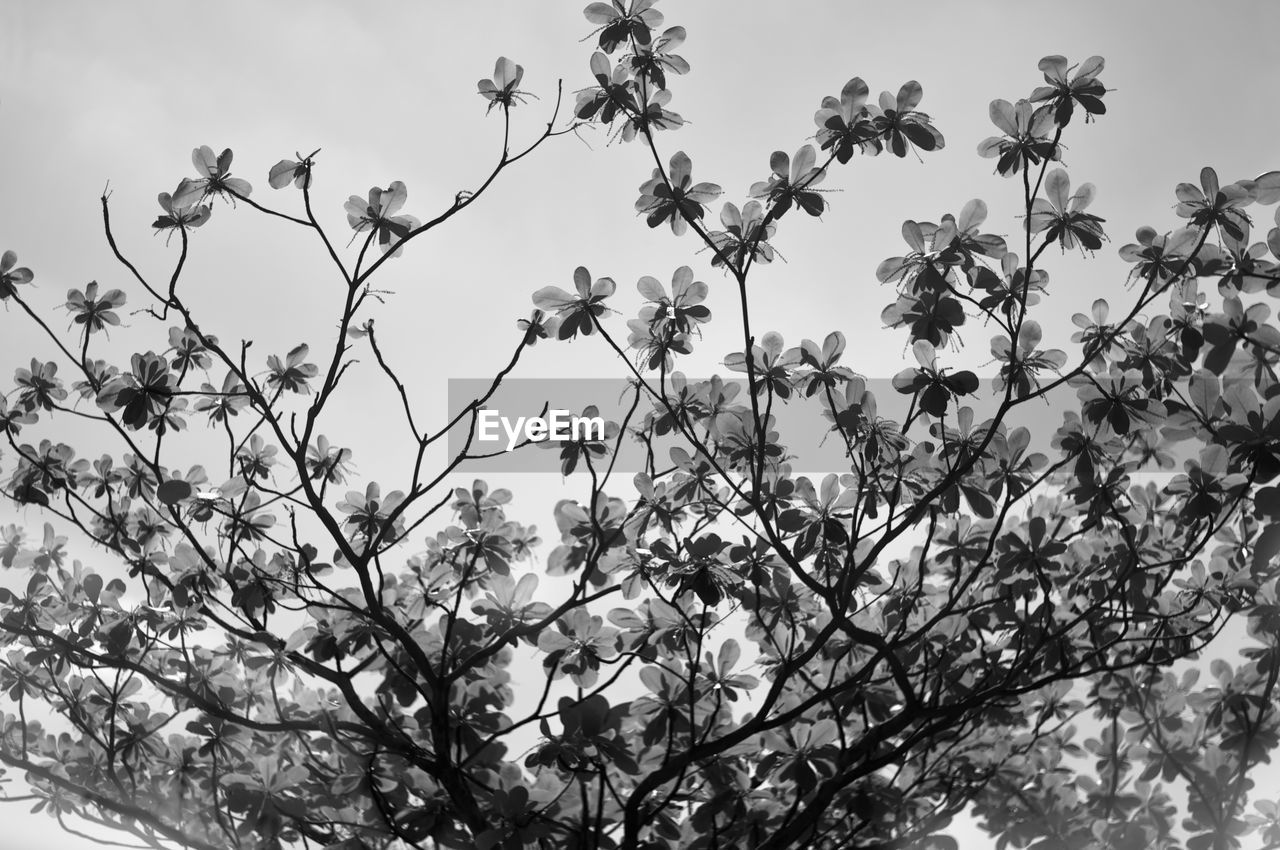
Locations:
(92, 92)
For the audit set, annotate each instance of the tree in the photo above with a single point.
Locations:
(281, 663)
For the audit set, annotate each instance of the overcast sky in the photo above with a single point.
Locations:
(95, 92)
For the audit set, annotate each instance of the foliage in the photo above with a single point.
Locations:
(959, 618)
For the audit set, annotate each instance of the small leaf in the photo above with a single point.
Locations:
(172, 492)
(93, 586)
(1266, 547)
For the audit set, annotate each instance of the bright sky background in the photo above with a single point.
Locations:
(94, 92)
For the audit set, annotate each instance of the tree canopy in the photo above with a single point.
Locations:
(265, 649)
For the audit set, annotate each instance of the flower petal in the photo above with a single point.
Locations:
(1003, 116)
(909, 96)
(973, 214)
(681, 172)
(1057, 188)
(1054, 68)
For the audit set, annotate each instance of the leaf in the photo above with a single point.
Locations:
(118, 637)
(1266, 502)
(1057, 188)
(650, 288)
(283, 173)
(1268, 187)
(729, 654)
(1204, 390)
(963, 383)
(172, 492)
(92, 585)
(909, 96)
(1266, 547)
(973, 214)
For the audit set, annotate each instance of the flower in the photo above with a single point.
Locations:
(718, 674)
(1236, 324)
(220, 404)
(938, 249)
(702, 567)
(1101, 341)
(619, 23)
(652, 62)
(503, 89)
(144, 394)
(327, 462)
(586, 443)
(675, 197)
(1247, 270)
(189, 350)
(93, 312)
(683, 309)
(1025, 137)
(1119, 401)
(1022, 364)
(11, 421)
(368, 512)
(478, 504)
(538, 326)
(654, 116)
(1084, 88)
(44, 470)
(792, 181)
(902, 125)
(683, 403)
(927, 314)
(930, 384)
(10, 277)
(957, 241)
(1062, 215)
(292, 375)
(288, 171)
(256, 459)
(846, 123)
(721, 409)
(823, 364)
(379, 215)
(667, 323)
(656, 343)
(180, 216)
(137, 477)
(509, 603)
(905, 268)
(578, 646)
(803, 753)
(1157, 257)
(576, 312)
(98, 373)
(745, 236)
(215, 178)
(523, 539)
(1220, 205)
(39, 387)
(1208, 485)
(611, 94)
(773, 366)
